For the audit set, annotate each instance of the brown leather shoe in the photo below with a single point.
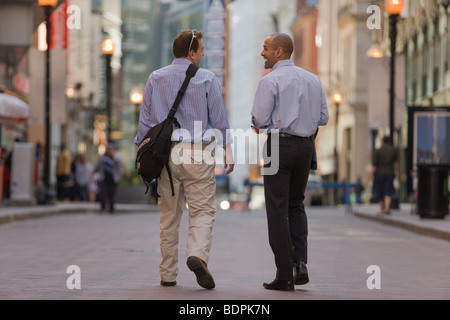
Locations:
(198, 266)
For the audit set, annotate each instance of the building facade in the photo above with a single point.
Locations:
(250, 22)
(344, 38)
(77, 69)
(422, 44)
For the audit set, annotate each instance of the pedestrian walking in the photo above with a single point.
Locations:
(110, 169)
(74, 191)
(63, 170)
(7, 169)
(202, 108)
(93, 187)
(383, 169)
(83, 176)
(289, 102)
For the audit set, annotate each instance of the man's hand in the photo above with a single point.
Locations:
(228, 159)
(255, 129)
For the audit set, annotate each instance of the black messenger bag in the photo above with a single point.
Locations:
(154, 150)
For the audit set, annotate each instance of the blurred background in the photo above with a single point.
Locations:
(381, 63)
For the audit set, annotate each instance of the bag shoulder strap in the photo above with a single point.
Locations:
(190, 73)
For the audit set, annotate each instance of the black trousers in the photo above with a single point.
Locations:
(62, 186)
(107, 194)
(284, 195)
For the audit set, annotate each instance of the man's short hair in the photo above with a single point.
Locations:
(183, 41)
(283, 41)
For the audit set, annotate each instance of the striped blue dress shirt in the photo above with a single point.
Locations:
(202, 107)
(291, 100)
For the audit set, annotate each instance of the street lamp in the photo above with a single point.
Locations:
(108, 50)
(49, 193)
(337, 99)
(375, 51)
(393, 9)
(136, 98)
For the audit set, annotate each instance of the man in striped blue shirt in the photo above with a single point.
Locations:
(202, 116)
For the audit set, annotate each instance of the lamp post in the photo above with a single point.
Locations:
(136, 98)
(337, 99)
(393, 9)
(108, 50)
(49, 193)
(374, 52)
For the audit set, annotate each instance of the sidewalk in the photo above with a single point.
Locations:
(14, 213)
(406, 218)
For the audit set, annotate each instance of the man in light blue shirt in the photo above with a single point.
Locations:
(201, 115)
(289, 102)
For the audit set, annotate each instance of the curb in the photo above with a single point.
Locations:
(410, 226)
(36, 212)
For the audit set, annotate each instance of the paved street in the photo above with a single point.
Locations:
(118, 257)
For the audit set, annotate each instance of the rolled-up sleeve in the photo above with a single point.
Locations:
(324, 116)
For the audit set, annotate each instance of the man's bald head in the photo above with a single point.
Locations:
(283, 41)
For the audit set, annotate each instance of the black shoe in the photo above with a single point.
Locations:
(204, 278)
(281, 285)
(300, 273)
(168, 283)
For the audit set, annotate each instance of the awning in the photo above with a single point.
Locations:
(13, 109)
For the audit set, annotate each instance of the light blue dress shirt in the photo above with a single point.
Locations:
(201, 109)
(291, 100)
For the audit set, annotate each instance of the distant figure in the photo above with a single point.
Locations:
(109, 169)
(63, 163)
(74, 191)
(93, 187)
(383, 162)
(7, 156)
(83, 173)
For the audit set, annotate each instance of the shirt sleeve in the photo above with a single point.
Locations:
(263, 105)
(324, 116)
(217, 113)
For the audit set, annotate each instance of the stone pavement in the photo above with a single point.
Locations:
(404, 218)
(118, 256)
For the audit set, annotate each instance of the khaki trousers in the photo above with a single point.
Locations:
(193, 176)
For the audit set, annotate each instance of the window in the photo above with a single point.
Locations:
(424, 85)
(312, 3)
(435, 79)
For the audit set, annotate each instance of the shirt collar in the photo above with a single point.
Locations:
(181, 61)
(283, 63)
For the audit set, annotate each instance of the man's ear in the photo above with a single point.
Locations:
(191, 56)
(279, 52)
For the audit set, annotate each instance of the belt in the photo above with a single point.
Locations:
(194, 146)
(287, 135)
